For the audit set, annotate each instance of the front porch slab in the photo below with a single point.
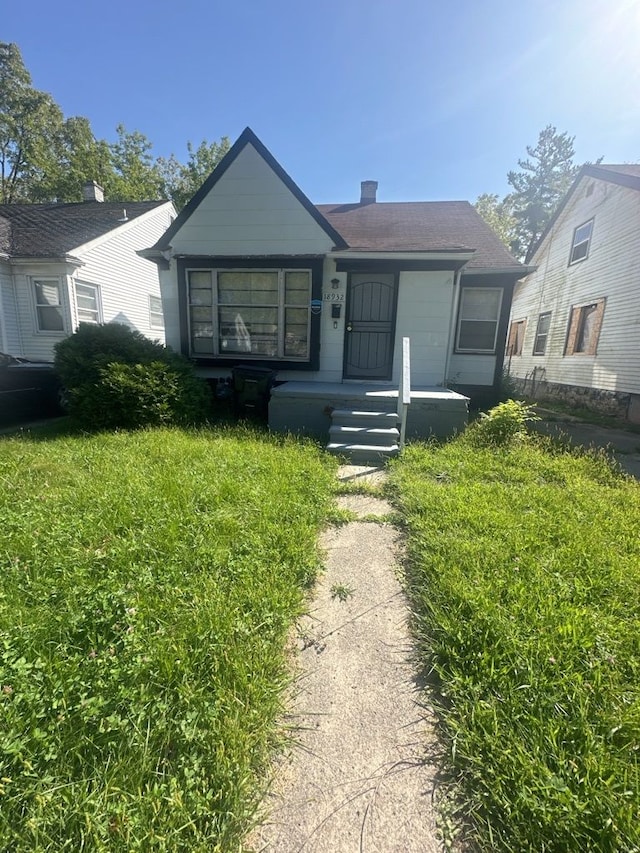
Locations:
(305, 407)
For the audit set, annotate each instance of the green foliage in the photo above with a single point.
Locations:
(149, 582)
(525, 579)
(116, 377)
(498, 214)
(539, 185)
(543, 179)
(505, 424)
(29, 124)
(44, 156)
(182, 181)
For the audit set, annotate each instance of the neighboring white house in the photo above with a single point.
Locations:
(252, 273)
(575, 322)
(63, 264)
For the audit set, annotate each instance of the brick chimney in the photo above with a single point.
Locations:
(368, 191)
(92, 192)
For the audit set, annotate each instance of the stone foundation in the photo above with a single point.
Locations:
(613, 404)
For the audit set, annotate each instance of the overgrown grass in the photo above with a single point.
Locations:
(148, 582)
(525, 579)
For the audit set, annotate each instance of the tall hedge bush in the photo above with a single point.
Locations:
(115, 377)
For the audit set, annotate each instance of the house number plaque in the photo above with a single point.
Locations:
(334, 297)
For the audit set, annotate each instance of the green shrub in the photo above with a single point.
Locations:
(115, 377)
(502, 425)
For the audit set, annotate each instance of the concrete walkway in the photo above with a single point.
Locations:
(622, 444)
(356, 780)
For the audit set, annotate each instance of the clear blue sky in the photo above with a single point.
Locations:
(433, 100)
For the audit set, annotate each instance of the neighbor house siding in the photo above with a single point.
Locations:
(9, 329)
(611, 271)
(125, 280)
(250, 211)
(35, 344)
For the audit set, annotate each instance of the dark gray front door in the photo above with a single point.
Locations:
(371, 311)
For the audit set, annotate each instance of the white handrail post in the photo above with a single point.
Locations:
(404, 390)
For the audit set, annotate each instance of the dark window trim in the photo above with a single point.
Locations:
(536, 350)
(292, 262)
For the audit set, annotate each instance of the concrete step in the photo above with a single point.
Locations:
(351, 417)
(352, 434)
(364, 454)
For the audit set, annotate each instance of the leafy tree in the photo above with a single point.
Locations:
(80, 157)
(29, 123)
(539, 185)
(136, 177)
(44, 156)
(182, 181)
(499, 215)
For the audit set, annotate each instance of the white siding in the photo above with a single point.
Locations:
(35, 344)
(9, 330)
(471, 369)
(424, 311)
(125, 280)
(250, 211)
(611, 271)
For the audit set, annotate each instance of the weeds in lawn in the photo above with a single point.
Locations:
(524, 576)
(149, 581)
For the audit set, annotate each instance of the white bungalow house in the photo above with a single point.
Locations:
(575, 322)
(63, 264)
(253, 274)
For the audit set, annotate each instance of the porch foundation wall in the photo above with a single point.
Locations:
(436, 413)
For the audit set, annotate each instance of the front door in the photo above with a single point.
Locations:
(370, 322)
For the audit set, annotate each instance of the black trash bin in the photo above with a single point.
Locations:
(252, 389)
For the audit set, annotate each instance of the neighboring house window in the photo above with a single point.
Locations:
(262, 313)
(48, 297)
(87, 303)
(478, 319)
(542, 333)
(581, 240)
(516, 337)
(585, 322)
(156, 317)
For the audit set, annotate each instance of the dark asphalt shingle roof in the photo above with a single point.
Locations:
(419, 226)
(52, 230)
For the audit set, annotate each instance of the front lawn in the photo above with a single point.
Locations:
(525, 580)
(148, 584)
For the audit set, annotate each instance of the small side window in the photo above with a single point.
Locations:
(156, 317)
(48, 299)
(581, 241)
(542, 333)
(516, 337)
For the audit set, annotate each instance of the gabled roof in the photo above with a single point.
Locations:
(449, 226)
(419, 226)
(247, 137)
(622, 174)
(54, 230)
